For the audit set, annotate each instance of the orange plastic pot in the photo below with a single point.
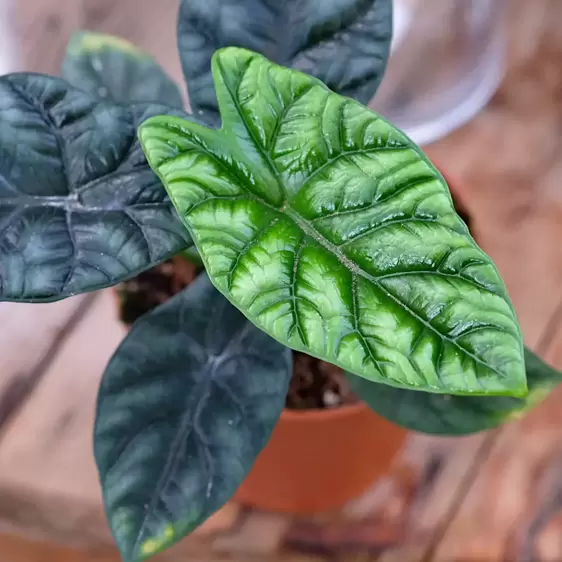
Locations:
(317, 460)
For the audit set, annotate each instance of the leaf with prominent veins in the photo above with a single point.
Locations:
(333, 233)
(186, 403)
(344, 43)
(80, 209)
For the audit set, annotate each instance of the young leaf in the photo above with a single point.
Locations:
(111, 68)
(344, 43)
(80, 208)
(333, 233)
(456, 415)
(187, 402)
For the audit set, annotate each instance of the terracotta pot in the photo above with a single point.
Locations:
(317, 460)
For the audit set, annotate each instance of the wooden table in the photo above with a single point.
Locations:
(492, 497)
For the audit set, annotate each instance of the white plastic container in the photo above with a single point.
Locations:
(447, 61)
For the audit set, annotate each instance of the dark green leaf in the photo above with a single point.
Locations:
(187, 402)
(456, 415)
(80, 208)
(333, 233)
(111, 68)
(344, 43)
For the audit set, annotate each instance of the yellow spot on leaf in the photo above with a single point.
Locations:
(149, 547)
(99, 41)
(154, 545)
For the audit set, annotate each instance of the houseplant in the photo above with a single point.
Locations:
(321, 222)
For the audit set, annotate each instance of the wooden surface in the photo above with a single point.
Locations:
(494, 497)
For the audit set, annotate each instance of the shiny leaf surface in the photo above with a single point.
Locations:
(344, 43)
(186, 403)
(80, 208)
(456, 415)
(111, 68)
(333, 233)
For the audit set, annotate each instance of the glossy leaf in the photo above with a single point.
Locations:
(80, 208)
(345, 43)
(186, 403)
(333, 233)
(456, 415)
(111, 68)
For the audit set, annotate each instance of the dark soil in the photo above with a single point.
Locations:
(153, 287)
(314, 384)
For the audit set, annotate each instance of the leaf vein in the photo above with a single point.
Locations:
(243, 251)
(356, 269)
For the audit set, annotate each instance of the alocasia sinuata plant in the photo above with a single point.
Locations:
(325, 226)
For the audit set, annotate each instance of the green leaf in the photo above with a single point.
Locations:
(334, 234)
(80, 208)
(456, 415)
(187, 402)
(344, 43)
(111, 68)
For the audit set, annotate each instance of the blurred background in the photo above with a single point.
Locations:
(479, 84)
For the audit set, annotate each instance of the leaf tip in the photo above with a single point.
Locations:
(521, 391)
(137, 547)
(231, 56)
(154, 545)
(520, 388)
(515, 387)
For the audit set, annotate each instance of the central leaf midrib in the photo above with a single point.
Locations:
(357, 270)
(189, 418)
(186, 427)
(52, 127)
(72, 203)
